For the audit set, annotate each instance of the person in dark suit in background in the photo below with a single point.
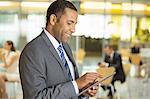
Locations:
(135, 49)
(47, 67)
(113, 59)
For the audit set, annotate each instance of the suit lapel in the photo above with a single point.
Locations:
(113, 58)
(54, 52)
(70, 56)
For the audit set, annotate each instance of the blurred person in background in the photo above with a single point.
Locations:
(47, 67)
(8, 56)
(3, 93)
(135, 49)
(135, 59)
(9, 63)
(113, 59)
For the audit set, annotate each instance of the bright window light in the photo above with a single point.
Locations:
(96, 5)
(35, 4)
(5, 3)
(126, 6)
(134, 6)
(139, 7)
(148, 8)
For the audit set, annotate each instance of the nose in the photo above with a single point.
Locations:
(73, 29)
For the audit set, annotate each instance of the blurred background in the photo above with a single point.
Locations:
(122, 23)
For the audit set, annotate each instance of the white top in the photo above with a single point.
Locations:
(13, 68)
(56, 44)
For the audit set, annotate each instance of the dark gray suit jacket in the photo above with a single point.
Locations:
(42, 73)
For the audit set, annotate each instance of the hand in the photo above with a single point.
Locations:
(104, 64)
(2, 56)
(87, 79)
(92, 92)
(1, 53)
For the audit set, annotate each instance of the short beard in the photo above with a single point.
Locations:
(57, 36)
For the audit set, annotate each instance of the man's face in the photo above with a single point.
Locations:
(64, 28)
(108, 51)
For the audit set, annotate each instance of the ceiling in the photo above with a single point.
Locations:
(41, 7)
(113, 1)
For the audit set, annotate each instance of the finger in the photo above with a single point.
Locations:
(92, 77)
(95, 88)
(91, 95)
(89, 80)
(92, 92)
(92, 74)
(89, 90)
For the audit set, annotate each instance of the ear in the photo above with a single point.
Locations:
(53, 19)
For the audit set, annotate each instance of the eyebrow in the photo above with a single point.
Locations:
(72, 21)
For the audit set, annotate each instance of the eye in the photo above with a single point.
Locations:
(69, 23)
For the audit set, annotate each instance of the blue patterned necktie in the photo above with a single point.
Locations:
(60, 49)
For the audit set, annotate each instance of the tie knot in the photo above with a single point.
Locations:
(60, 48)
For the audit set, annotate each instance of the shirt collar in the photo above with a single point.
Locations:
(52, 39)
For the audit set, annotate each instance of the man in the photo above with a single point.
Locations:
(47, 68)
(135, 49)
(113, 59)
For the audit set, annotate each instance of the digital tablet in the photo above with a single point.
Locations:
(96, 83)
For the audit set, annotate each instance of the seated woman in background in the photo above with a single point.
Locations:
(9, 63)
(10, 58)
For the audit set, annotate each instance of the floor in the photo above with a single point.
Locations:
(133, 88)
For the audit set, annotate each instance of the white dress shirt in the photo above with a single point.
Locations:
(56, 44)
(112, 55)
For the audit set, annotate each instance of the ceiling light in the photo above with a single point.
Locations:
(148, 8)
(134, 6)
(35, 4)
(5, 3)
(126, 6)
(96, 5)
(139, 7)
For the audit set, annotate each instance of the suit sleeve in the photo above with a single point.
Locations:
(33, 79)
(118, 62)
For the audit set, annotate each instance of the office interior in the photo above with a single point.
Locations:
(121, 23)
